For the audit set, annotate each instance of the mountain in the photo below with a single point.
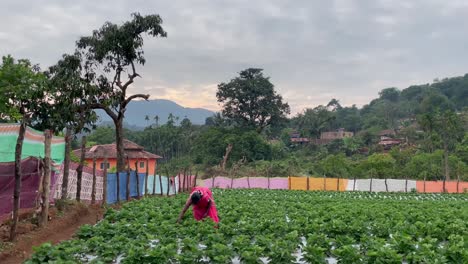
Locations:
(138, 110)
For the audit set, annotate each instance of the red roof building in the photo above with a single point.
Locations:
(135, 153)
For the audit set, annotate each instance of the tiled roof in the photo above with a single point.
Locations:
(132, 151)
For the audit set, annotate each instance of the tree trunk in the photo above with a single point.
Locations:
(338, 184)
(195, 181)
(212, 181)
(458, 178)
(18, 175)
(370, 187)
(46, 183)
(308, 183)
(79, 170)
(127, 185)
(226, 157)
(146, 177)
(104, 183)
(354, 183)
(93, 190)
(386, 185)
(119, 137)
(66, 164)
(137, 179)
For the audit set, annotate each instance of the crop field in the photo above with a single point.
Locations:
(277, 226)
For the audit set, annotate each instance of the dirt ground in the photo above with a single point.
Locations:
(62, 226)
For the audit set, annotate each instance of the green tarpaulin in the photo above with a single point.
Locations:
(33, 145)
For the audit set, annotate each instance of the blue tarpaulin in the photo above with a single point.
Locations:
(112, 185)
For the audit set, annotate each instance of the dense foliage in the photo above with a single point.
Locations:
(280, 226)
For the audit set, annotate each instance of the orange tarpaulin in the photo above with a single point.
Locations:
(316, 184)
(438, 186)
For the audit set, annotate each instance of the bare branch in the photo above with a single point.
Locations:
(144, 96)
(105, 108)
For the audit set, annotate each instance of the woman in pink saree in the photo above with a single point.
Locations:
(202, 203)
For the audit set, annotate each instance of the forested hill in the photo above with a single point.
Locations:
(389, 111)
(158, 111)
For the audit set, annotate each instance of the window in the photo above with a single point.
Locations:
(103, 164)
(142, 164)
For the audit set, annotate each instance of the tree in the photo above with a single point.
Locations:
(69, 105)
(23, 87)
(390, 94)
(114, 50)
(313, 121)
(448, 127)
(381, 165)
(251, 101)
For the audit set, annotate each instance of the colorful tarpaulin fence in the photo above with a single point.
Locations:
(333, 184)
(317, 184)
(29, 184)
(86, 183)
(33, 145)
(438, 186)
(173, 185)
(251, 182)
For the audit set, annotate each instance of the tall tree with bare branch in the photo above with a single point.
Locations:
(110, 53)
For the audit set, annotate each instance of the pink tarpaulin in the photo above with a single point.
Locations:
(29, 184)
(253, 182)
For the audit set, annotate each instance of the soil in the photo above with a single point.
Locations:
(61, 226)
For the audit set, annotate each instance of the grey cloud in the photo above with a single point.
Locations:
(313, 50)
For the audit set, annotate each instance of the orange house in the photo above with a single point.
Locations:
(137, 157)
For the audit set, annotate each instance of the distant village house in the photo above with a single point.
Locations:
(135, 153)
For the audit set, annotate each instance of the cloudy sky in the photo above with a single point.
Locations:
(312, 50)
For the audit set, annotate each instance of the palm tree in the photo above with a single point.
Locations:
(147, 118)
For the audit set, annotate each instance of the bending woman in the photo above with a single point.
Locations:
(202, 203)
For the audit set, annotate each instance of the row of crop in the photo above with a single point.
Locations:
(276, 226)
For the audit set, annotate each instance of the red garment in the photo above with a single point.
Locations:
(200, 208)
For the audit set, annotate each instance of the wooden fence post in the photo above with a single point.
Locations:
(212, 181)
(154, 178)
(79, 170)
(324, 182)
(160, 183)
(104, 183)
(18, 176)
(93, 190)
(406, 183)
(146, 177)
(268, 176)
(169, 182)
(118, 186)
(66, 164)
(127, 186)
(46, 184)
(424, 190)
(137, 179)
(458, 178)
